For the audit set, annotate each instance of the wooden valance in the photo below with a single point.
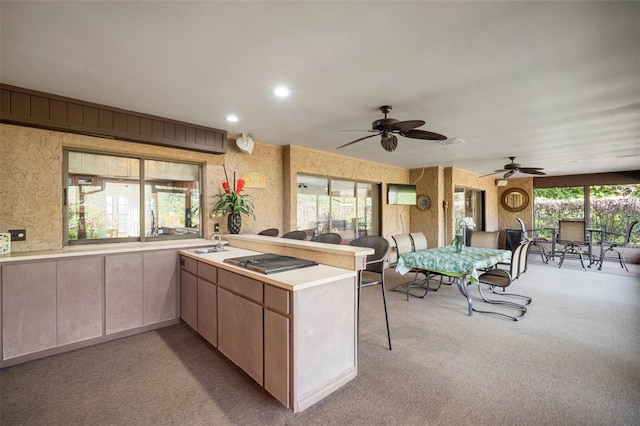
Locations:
(37, 109)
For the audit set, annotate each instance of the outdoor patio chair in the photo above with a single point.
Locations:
(271, 232)
(573, 235)
(615, 246)
(373, 273)
(329, 237)
(536, 241)
(502, 278)
(295, 235)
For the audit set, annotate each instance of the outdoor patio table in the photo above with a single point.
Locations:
(462, 266)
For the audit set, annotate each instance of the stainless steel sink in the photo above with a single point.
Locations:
(208, 250)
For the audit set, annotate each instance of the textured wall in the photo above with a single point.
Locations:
(429, 182)
(395, 219)
(507, 219)
(31, 180)
(31, 185)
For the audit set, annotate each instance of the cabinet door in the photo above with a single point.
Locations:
(189, 298)
(123, 292)
(159, 286)
(240, 333)
(79, 298)
(276, 356)
(28, 308)
(207, 311)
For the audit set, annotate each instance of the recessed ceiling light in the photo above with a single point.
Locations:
(232, 118)
(281, 92)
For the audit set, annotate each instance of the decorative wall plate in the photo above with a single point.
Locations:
(424, 202)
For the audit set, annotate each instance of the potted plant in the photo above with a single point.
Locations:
(231, 201)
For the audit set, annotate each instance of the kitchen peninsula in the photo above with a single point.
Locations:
(294, 332)
(301, 323)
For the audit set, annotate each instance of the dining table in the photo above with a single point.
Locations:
(464, 266)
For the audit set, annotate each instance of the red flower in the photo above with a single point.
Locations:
(240, 185)
(225, 185)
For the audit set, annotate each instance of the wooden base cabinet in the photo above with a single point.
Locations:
(208, 302)
(159, 286)
(51, 306)
(189, 298)
(276, 356)
(79, 299)
(299, 345)
(28, 308)
(240, 333)
(123, 292)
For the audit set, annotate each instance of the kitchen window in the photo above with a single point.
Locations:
(111, 198)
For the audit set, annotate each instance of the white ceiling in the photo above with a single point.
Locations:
(556, 84)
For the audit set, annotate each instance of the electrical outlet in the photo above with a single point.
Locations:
(18, 234)
(216, 227)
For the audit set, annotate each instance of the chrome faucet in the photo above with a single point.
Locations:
(215, 238)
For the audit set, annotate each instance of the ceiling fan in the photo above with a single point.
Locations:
(386, 127)
(513, 167)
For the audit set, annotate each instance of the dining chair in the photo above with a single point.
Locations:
(503, 278)
(419, 241)
(536, 241)
(271, 232)
(328, 237)
(572, 234)
(374, 268)
(614, 246)
(295, 235)
(485, 239)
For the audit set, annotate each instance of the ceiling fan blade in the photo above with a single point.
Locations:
(403, 126)
(358, 140)
(500, 171)
(353, 130)
(490, 174)
(509, 173)
(423, 134)
(532, 171)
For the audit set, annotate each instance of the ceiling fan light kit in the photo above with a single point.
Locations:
(386, 127)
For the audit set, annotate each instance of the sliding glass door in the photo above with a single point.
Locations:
(346, 207)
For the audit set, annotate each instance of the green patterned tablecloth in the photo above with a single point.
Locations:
(445, 260)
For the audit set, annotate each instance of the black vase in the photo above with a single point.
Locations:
(234, 222)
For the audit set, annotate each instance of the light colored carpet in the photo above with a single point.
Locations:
(574, 360)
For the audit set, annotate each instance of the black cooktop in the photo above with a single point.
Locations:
(269, 263)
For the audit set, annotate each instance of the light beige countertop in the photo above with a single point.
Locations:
(101, 249)
(339, 255)
(293, 280)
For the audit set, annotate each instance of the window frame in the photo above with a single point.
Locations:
(142, 182)
(376, 187)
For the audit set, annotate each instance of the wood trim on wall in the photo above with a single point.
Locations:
(27, 107)
(613, 178)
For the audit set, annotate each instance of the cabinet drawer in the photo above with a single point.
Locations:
(189, 264)
(207, 272)
(244, 286)
(276, 299)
